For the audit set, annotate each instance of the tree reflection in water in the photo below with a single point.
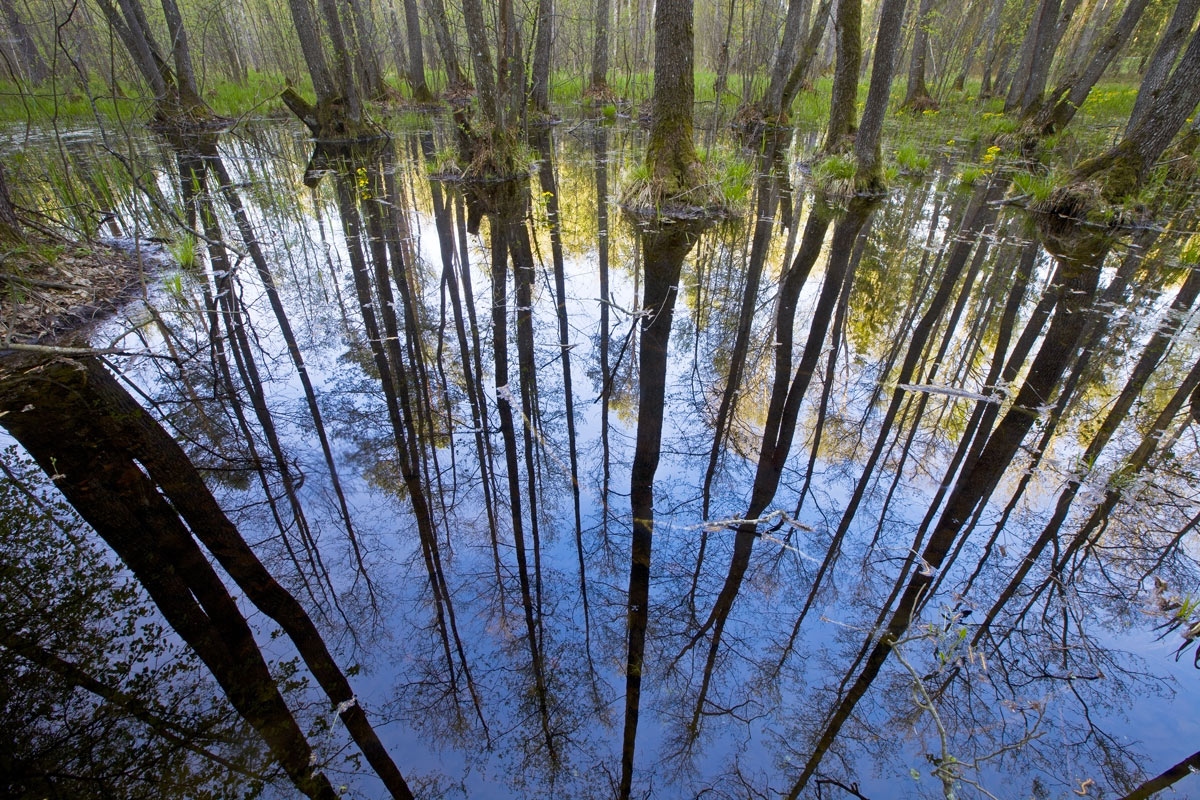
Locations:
(913, 469)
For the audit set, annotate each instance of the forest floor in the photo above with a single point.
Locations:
(51, 288)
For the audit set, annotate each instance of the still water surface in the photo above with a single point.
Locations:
(911, 549)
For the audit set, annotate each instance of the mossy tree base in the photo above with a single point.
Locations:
(328, 121)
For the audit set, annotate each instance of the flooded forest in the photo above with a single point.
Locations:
(592, 399)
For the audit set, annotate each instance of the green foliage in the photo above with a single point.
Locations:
(566, 89)
(1108, 102)
(811, 108)
(968, 174)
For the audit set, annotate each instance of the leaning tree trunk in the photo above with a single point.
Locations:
(785, 54)
(807, 53)
(31, 62)
(440, 21)
(1059, 108)
(106, 482)
(1163, 59)
(1125, 166)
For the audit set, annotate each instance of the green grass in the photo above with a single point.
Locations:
(183, 250)
(1036, 187)
(52, 101)
(258, 96)
(732, 171)
(909, 158)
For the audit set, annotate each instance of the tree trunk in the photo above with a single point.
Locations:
(416, 57)
(366, 54)
(435, 10)
(1037, 54)
(665, 249)
(345, 119)
(867, 145)
(671, 153)
(185, 76)
(308, 31)
(599, 49)
(1167, 778)
(1126, 165)
(800, 70)
(1060, 107)
(539, 86)
(844, 96)
(481, 58)
(797, 15)
(1163, 59)
(916, 96)
(11, 231)
(104, 479)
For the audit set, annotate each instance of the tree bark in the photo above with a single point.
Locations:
(436, 12)
(599, 48)
(671, 153)
(664, 249)
(807, 54)
(916, 96)
(366, 54)
(1126, 165)
(539, 84)
(1163, 59)
(867, 144)
(844, 96)
(181, 53)
(103, 478)
(309, 33)
(416, 57)
(1060, 107)
(785, 53)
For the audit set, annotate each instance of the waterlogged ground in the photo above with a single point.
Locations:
(978, 500)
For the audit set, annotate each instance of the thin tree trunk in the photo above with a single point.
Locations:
(804, 61)
(781, 67)
(665, 249)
